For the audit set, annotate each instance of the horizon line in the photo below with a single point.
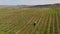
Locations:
(36, 4)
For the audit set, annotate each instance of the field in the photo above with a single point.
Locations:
(21, 20)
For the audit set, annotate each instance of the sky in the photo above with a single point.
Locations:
(28, 2)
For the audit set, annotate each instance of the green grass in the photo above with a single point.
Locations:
(13, 20)
(2, 32)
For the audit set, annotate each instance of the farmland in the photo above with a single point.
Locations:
(21, 20)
